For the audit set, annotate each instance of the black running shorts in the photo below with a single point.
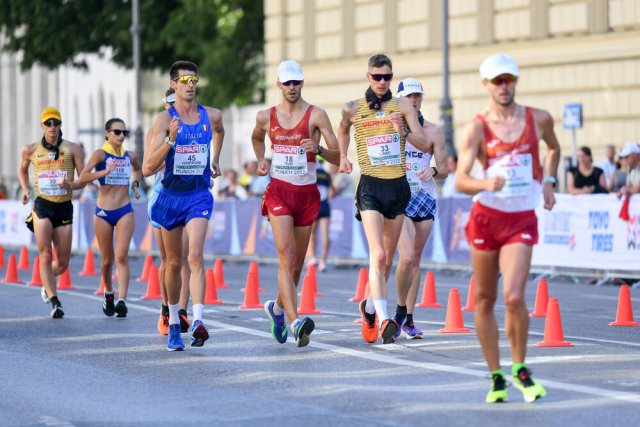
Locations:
(387, 196)
(60, 214)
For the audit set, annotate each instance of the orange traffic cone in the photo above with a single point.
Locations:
(64, 281)
(307, 300)
(145, 269)
(253, 268)
(89, 267)
(454, 323)
(471, 295)
(211, 294)
(311, 272)
(625, 311)
(1, 256)
(103, 288)
(553, 334)
(542, 299)
(218, 274)
(429, 298)
(11, 275)
(36, 280)
(23, 263)
(153, 284)
(363, 278)
(251, 297)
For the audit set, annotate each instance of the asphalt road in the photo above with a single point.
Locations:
(87, 369)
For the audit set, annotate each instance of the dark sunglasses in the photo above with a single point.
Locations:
(118, 132)
(378, 77)
(52, 122)
(508, 79)
(290, 82)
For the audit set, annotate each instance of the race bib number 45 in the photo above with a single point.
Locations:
(517, 170)
(384, 149)
(289, 160)
(190, 159)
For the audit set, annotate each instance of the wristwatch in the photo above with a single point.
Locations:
(168, 141)
(550, 179)
(320, 149)
(408, 131)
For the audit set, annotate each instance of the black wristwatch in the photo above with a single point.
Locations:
(320, 149)
(407, 133)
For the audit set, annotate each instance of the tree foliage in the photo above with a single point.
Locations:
(224, 37)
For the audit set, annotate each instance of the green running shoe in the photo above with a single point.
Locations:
(498, 392)
(531, 389)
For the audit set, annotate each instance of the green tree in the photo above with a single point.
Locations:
(224, 37)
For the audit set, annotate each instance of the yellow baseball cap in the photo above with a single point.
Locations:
(50, 113)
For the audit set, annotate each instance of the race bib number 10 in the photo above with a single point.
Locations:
(48, 183)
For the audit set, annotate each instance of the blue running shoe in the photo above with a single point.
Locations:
(175, 340)
(399, 318)
(199, 334)
(302, 331)
(278, 327)
(412, 332)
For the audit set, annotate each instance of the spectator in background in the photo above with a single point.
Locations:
(259, 183)
(232, 188)
(618, 178)
(586, 178)
(449, 186)
(250, 174)
(322, 222)
(608, 166)
(3, 189)
(342, 183)
(631, 154)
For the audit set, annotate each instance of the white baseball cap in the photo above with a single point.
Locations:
(409, 86)
(629, 148)
(169, 99)
(496, 65)
(289, 70)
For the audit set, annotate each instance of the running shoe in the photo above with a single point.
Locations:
(302, 331)
(174, 342)
(278, 326)
(43, 295)
(369, 324)
(108, 306)
(322, 266)
(531, 389)
(388, 330)
(498, 391)
(163, 323)
(121, 309)
(184, 320)
(412, 332)
(399, 320)
(57, 312)
(199, 334)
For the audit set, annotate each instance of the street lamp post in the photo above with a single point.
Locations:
(446, 108)
(135, 32)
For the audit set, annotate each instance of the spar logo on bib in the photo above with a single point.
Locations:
(191, 149)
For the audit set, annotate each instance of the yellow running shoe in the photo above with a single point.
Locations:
(531, 389)
(498, 391)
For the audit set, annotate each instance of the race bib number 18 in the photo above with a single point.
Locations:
(289, 160)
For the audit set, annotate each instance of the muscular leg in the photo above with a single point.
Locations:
(104, 234)
(515, 260)
(62, 239)
(404, 270)
(185, 272)
(196, 229)
(173, 248)
(422, 230)
(163, 264)
(43, 232)
(124, 231)
(313, 241)
(485, 270)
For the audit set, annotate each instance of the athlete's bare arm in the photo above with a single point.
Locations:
(470, 150)
(159, 149)
(147, 149)
(435, 135)
(215, 118)
(348, 114)
(96, 158)
(544, 122)
(417, 137)
(23, 171)
(78, 163)
(320, 120)
(257, 140)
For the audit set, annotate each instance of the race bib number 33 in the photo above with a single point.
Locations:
(384, 149)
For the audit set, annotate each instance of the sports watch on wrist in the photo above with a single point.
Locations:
(550, 179)
(168, 141)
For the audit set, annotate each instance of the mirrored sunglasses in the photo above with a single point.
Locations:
(187, 79)
(52, 122)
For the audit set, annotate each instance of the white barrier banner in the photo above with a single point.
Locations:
(586, 232)
(13, 231)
